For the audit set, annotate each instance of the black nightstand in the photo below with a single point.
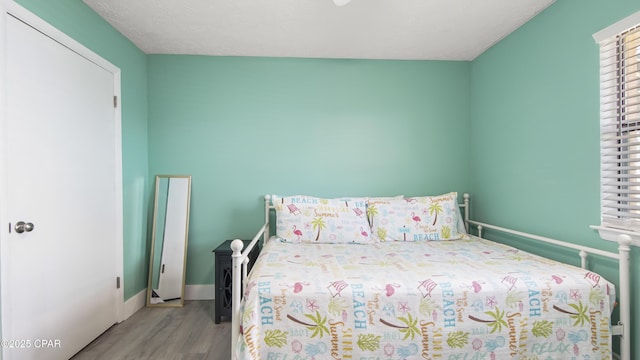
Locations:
(224, 276)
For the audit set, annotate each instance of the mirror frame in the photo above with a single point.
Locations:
(153, 242)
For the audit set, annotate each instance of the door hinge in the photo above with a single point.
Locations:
(115, 101)
(118, 282)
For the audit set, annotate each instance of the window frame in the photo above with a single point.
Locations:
(619, 130)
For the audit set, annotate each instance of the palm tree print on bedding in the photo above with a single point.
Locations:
(465, 299)
(310, 219)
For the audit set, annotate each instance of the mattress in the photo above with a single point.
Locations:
(462, 299)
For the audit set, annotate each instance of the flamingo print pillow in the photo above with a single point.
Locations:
(310, 219)
(416, 219)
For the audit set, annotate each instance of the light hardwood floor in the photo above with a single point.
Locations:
(187, 333)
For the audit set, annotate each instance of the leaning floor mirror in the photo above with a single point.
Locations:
(169, 235)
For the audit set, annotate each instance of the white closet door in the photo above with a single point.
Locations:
(59, 279)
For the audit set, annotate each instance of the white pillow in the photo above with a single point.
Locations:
(316, 220)
(417, 218)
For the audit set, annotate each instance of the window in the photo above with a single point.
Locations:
(620, 129)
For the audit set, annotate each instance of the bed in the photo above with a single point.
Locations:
(385, 278)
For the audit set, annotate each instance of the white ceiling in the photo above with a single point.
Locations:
(362, 29)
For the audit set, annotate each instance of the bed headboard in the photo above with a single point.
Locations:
(268, 206)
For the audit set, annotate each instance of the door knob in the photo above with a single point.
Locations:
(22, 226)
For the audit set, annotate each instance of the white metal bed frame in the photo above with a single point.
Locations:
(240, 260)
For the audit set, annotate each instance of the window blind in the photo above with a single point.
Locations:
(620, 130)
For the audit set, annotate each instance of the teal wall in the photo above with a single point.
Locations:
(245, 127)
(535, 129)
(80, 22)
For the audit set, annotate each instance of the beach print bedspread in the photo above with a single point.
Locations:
(464, 299)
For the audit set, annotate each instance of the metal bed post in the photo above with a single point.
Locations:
(240, 261)
(583, 258)
(267, 207)
(236, 247)
(466, 211)
(625, 296)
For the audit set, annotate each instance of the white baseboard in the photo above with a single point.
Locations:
(199, 292)
(191, 292)
(135, 303)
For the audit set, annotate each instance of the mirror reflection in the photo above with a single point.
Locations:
(167, 264)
